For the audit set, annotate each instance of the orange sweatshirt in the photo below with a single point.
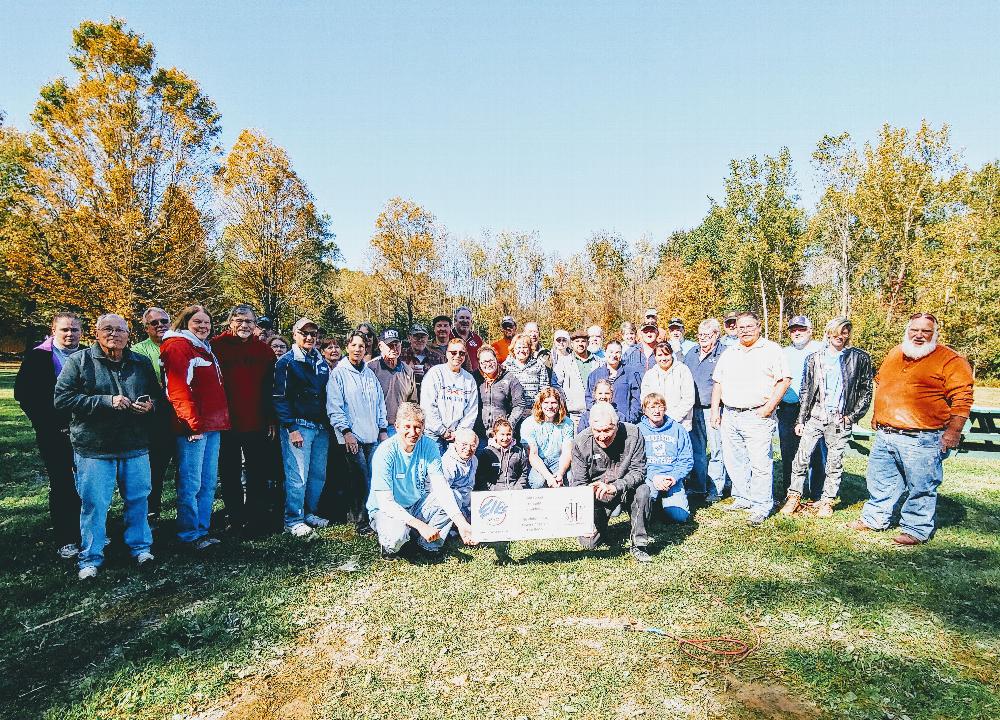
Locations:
(502, 348)
(922, 394)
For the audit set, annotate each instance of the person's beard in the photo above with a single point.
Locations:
(800, 345)
(915, 352)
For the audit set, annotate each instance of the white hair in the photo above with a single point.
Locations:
(710, 325)
(409, 411)
(145, 315)
(603, 413)
(466, 434)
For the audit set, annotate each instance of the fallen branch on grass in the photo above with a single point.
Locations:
(51, 622)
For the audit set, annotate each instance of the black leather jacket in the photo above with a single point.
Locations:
(856, 366)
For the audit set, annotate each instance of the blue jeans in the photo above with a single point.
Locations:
(95, 482)
(674, 502)
(899, 463)
(706, 442)
(197, 476)
(305, 472)
(746, 450)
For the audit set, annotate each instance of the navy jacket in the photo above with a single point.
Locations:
(300, 389)
(625, 391)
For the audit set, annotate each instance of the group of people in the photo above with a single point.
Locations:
(394, 438)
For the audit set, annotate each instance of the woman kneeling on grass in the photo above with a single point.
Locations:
(110, 391)
(669, 458)
(548, 433)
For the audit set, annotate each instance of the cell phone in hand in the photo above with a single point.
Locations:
(143, 399)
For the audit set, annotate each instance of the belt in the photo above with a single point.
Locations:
(907, 433)
(736, 409)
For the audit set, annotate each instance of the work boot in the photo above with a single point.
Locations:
(824, 508)
(791, 503)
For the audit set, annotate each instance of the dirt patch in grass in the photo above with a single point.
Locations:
(770, 702)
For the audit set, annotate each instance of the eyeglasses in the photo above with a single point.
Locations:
(457, 353)
(562, 339)
(161, 321)
(705, 336)
(113, 331)
(308, 333)
(238, 321)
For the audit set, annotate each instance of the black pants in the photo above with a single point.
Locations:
(162, 448)
(636, 502)
(246, 508)
(64, 502)
(333, 503)
(358, 482)
(788, 415)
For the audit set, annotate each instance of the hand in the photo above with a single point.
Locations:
(351, 443)
(296, 439)
(195, 438)
(950, 440)
(554, 481)
(383, 435)
(272, 432)
(799, 429)
(762, 414)
(663, 482)
(716, 419)
(465, 532)
(141, 408)
(428, 533)
(448, 436)
(604, 491)
(120, 402)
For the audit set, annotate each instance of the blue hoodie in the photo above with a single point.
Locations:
(354, 400)
(668, 452)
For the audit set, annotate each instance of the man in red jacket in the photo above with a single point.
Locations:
(247, 372)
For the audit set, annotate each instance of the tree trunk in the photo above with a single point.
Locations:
(763, 300)
(845, 285)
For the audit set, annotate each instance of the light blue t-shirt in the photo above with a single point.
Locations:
(548, 438)
(405, 475)
(833, 377)
(795, 358)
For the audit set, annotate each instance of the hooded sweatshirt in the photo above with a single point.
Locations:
(193, 382)
(461, 477)
(676, 385)
(354, 401)
(668, 452)
(449, 400)
(502, 468)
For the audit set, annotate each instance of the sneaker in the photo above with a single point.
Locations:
(68, 551)
(143, 558)
(824, 508)
(756, 519)
(87, 573)
(316, 521)
(299, 530)
(712, 498)
(791, 504)
(641, 555)
(364, 530)
(734, 506)
(388, 556)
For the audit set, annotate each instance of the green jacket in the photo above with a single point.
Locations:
(151, 351)
(85, 387)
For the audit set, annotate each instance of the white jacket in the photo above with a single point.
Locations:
(676, 385)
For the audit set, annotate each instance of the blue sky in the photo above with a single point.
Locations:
(563, 118)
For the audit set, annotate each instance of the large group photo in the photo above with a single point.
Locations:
(273, 448)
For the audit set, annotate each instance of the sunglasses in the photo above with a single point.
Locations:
(162, 321)
(308, 333)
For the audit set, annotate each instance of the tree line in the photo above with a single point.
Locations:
(120, 197)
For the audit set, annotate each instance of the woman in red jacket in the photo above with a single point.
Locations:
(193, 383)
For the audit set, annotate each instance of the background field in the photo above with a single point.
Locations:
(844, 626)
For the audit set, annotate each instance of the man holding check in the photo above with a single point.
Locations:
(409, 491)
(610, 456)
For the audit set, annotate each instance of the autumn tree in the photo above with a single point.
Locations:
(405, 250)
(17, 307)
(277, 251)
(114, 200)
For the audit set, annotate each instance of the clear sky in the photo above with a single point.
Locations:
(563, 118)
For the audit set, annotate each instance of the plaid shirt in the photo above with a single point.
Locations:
(431, 358)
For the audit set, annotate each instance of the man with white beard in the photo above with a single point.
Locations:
(922, 400)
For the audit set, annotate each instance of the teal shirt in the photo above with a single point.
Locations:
(407, 477)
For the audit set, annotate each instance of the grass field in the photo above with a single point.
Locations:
(842, 626)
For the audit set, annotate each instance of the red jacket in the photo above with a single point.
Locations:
(194, 385)
(247, 376)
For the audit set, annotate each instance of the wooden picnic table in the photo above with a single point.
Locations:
(983, 426)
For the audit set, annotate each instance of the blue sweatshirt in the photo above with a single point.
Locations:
(668, 452)
(407, 478)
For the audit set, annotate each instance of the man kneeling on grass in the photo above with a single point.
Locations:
(610, 456)
(409, 491)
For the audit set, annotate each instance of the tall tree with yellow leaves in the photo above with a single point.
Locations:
(276, 249)
(114, 200)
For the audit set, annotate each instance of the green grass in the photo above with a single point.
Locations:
(848, 626)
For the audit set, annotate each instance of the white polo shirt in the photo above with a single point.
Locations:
(747, 375)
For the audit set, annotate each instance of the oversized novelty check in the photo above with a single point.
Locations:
(532, 514)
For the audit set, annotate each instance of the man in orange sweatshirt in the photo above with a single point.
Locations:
(922, 400)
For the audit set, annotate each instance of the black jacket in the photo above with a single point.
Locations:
(857, 372)
(502, 469)
(504, 397)
(623, 464)
(33, 388)
(86, 386)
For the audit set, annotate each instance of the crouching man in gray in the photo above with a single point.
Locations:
(610, 456)
(410, 496)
